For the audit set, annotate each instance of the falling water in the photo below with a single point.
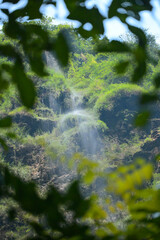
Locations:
(77, 130)
(78, 127)
(85, 122)
(51, 61)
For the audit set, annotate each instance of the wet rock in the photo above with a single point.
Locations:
(32, 124)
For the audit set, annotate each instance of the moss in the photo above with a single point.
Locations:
(106, 101)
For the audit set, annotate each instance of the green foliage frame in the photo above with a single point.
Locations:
(34, 39)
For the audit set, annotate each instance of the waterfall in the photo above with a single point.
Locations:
(51, 61)
(84, 123)
(77, 128)
(77, 131)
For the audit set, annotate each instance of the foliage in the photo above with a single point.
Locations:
(61, 215)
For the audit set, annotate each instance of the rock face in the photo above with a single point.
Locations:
(71, 127)
(32, 124)
(149, 151)
(120, 118)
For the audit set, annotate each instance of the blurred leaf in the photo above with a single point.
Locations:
(113, 46)
(89, 177)
(131, 8)
(24, 193)
(112, 227)
(3, 143)
(84, 33)
(14, 29)
(36, 38)
(157, 81)
(140, 35)
(12, 214)
(148, 98)
(112, 209)
(77, 204)
(84, 15)
(112, 11)
(72, 4)
(6, 122)
(37, 65)
(35, 41)
(5, 71)
(11, 135)
(86, 164)
(52, 2)
(140, 55)
(139, 72)
(10, 1)
(9, 51)
(52, 203)
(120, 205)
(62, 48)
(38, 228)
(122, 67)
(5, 11)
(127, 179)
(25, 87)
(32, 10)
(96, 212)
(142, 119)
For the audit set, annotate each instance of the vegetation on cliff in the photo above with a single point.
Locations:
(67, 130)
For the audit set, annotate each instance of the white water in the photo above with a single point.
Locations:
(78, 127)
(52, 62)
(85, 123)
(77, 131)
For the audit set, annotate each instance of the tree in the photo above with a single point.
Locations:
(34, 39)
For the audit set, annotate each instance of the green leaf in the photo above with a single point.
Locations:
(157, 81)
(4, 83)
(32, 10)
(113, 46)
(131, 8)
(24, 193)
(140, 35)
(139, 72)
(3, 143)
(72, 4)
(37, 228)
(14, 29)
(115, 4)
(12, 214)
(52, 2)
(122, 67)
(62, 48)
(10, 1)
(9, 51)
(79, 205)
(148, 98)
(142, 119)
(85, 15)
(25, 86)
(37, 65)
(11, 135)
(89, 177)
(6, 122)
(5, 11)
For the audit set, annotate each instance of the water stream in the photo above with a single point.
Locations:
(77, 127)
(84, 123)
(77, 130)
(51, 61)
